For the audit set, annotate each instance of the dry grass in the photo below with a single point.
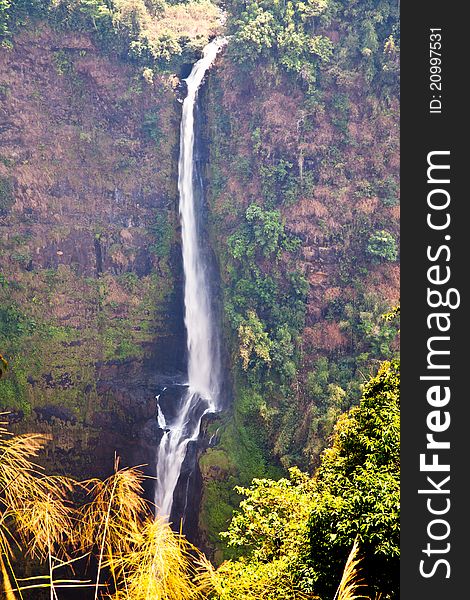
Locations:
(112, 518)
(351, 581)
(194, 20)
(197, 20)
(35, 517)
(158, 567)
(136, 556)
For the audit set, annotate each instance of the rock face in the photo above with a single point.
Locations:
(324, 170)
(90, 285)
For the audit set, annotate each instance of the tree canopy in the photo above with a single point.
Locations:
(295, 534)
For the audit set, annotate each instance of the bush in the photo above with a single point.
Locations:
(295, 534)
(382, 245)
(7, 198)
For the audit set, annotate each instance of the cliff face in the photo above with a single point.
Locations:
(303, 196)
(90, 314)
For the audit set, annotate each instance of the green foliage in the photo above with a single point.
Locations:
(13, 388)
(151, 127)
(264, 30)
(274, 180)
(263, 229)
(295, 534)
(14, 13)
(265, 308)
(128, 28)
(14, 327)
(369, 39)
(272, 517)
(7, 197)
(63, 62)
(163, 233)
(242, 453)
(358, 490)
(267, 229)
(382, 245)
(257, 32)
(254, 342)
(4, 8)
(270, 529)
(388, 191)
(292, 35)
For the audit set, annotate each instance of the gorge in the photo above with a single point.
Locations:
(199, 263)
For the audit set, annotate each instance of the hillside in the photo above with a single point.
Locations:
(302, 177)
(88, 231)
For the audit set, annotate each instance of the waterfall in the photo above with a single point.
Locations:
(201, 395)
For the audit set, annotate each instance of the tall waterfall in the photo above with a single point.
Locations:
(201, 396)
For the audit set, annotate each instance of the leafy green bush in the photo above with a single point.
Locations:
(294, 534)
(382, 245)
(264, 30)
(7, 198)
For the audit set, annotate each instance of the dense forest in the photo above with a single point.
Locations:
(296, 487)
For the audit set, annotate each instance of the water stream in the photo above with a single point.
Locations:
(181, 420)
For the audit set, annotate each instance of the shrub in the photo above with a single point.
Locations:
(7, 198)
(382, 245)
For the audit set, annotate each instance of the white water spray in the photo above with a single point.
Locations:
(202, 394)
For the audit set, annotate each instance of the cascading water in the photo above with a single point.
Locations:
(183, 422)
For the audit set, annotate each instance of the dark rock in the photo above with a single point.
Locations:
(50, 412)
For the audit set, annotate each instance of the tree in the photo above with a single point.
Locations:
(256, 34)
(254, 342)
(295, 534)
(270, 530)
(382, 245)
(267, 227)
(4, 8)
(358, 490)
(280, 30)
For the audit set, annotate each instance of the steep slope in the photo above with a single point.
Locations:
(302, 175)
(89, 295)
(301, 150)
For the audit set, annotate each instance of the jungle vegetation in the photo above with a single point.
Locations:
(293, 536)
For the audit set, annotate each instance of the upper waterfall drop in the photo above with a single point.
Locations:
(202, 395)
(203, 355)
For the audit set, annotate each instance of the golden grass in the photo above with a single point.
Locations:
(6, 583)
(351, 582)
(158, 567)
(140, 557)
(115, 510)
(113, 516)
(197, 19)
(137, 556)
